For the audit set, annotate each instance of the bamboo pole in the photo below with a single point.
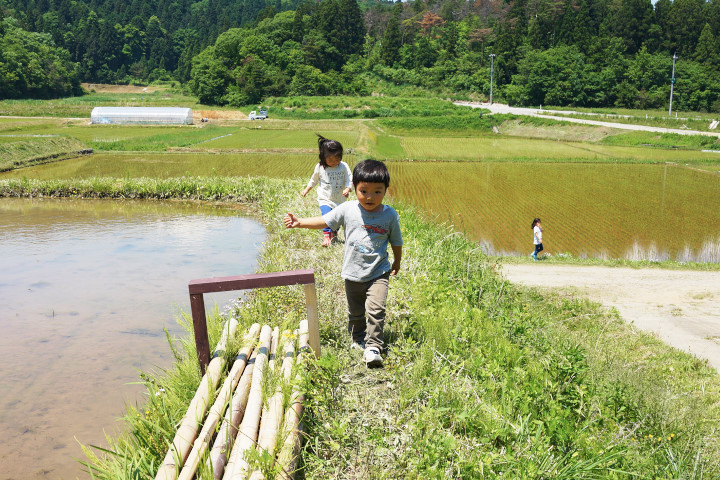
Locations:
(229, 428)
(186, 433)
(288, 354)
(247, 435)
(202, 442)
(303, 337)
(273, 348)
(273, 413)
(288, 455)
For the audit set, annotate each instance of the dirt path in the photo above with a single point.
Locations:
(536, 112)
(681, 307)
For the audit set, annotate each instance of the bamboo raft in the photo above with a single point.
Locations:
(220, 439)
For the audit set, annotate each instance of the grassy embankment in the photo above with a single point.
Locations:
(482, 379)
(80, 107)
(19, 152)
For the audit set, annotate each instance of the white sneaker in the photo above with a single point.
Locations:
(372, 357)
(358, 346)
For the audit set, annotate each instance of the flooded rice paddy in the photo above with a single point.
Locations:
(637, 212)
(86, 289)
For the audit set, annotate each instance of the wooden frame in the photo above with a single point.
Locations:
(245, 282)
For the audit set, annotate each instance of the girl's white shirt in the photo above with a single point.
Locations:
(331, 182)
(537, 235)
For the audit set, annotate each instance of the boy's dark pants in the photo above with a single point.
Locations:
(367, 298)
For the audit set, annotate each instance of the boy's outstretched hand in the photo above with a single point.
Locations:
(291, 221)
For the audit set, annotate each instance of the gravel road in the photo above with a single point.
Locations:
(537, 112)
(682, 307)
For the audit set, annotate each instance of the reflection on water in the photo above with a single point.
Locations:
(86, 288)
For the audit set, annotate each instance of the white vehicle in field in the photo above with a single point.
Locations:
(254, 115)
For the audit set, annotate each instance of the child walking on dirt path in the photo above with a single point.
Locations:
(369, 227)
(333, 178)
(537, 238)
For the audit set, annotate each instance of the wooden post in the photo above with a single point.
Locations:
(312, 317)
(202, 344)
(244, 282)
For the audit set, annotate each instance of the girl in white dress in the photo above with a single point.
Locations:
(537, 238)
(333, 178)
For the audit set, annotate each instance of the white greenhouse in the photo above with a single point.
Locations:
(142, 115)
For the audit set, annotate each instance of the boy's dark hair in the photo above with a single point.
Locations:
(328, 147)
(535, 222)
(371, 171)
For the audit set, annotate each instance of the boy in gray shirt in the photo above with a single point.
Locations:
(369, 227)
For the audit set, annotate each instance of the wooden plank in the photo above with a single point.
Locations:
(246, 282)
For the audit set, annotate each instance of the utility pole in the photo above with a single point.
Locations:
(492, 65)
(672, 84)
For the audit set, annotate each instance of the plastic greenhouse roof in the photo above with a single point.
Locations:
(158, 115)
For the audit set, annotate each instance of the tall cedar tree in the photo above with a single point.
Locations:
(392, 39)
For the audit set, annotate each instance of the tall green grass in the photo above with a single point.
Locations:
(343, 107)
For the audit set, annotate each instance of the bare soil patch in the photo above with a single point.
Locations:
(106, 88)
(681, 307)
(572, 133)
(219, 115)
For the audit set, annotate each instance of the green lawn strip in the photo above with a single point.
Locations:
(664, 140)
(482, 380)
(567, 259)
(27, 151)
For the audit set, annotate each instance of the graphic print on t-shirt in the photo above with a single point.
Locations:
(375, 229)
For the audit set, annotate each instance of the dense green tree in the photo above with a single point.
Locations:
(392, 39)
(632, 22)
(209, 78)
(707, 50)
(352, 28)
(159, 49)
(307, 80)
(684, 25)
(268, 12)
(550, 77)
(31, 66)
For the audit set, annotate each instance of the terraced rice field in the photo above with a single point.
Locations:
(530, 149)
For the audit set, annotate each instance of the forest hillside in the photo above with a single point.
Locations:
(592, 53)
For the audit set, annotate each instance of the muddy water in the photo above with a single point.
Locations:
(86, 288)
